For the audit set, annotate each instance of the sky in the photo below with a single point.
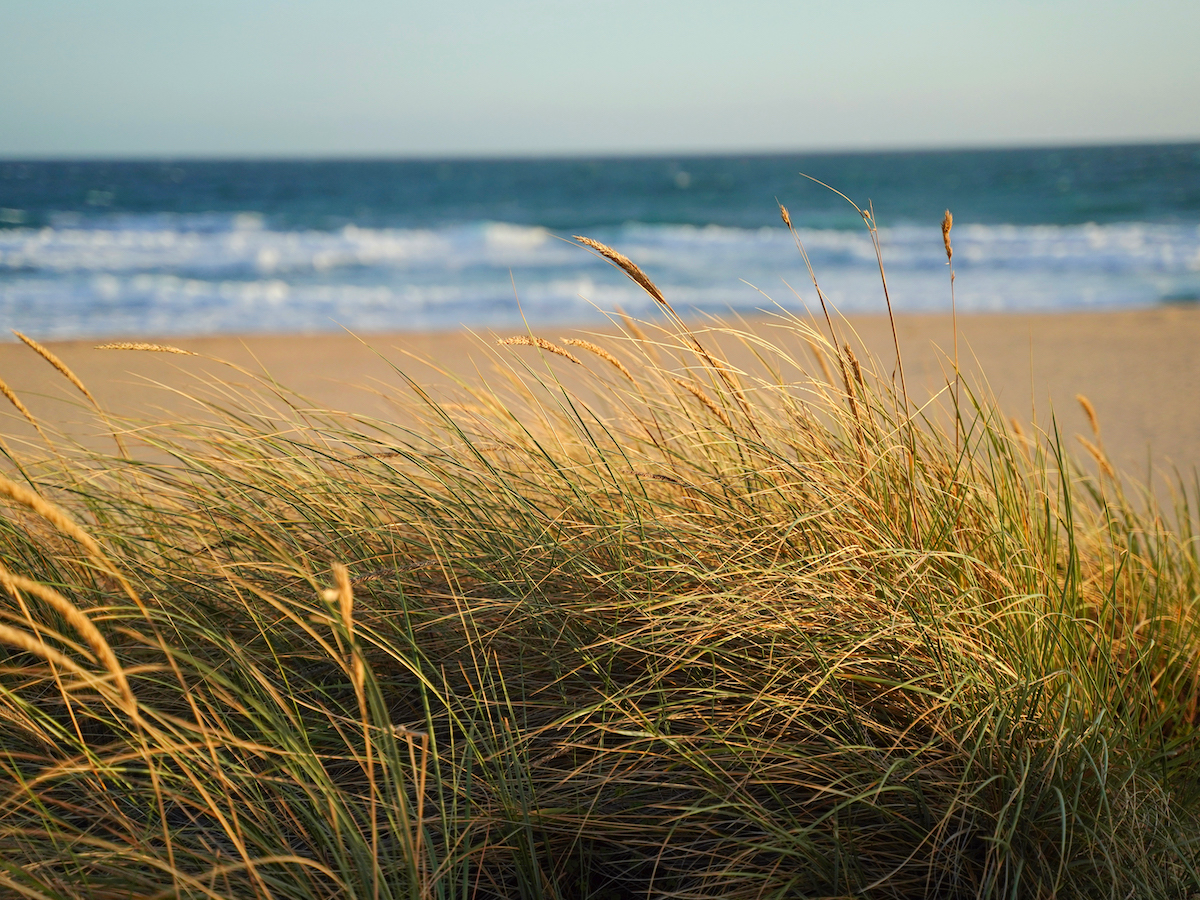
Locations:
(268, 78)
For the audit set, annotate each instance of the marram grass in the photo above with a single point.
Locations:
(666, 629)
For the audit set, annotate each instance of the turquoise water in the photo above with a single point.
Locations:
(193, 247)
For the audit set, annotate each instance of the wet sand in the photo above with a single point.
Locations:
(1140, 369)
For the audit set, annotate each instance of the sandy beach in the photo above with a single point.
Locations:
(1140, 369)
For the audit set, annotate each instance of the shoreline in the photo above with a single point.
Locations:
(1139, 369)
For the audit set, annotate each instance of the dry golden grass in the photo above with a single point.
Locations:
(556, 642)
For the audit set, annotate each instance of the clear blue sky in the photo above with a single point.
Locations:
(352, 77)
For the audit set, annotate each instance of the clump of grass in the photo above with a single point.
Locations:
(593, 640)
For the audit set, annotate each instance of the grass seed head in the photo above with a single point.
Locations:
(632, 327)
(854, 365)
(819, 356)
(526, 341)
(1090, 412)
(600, 352)
(58, 364)
(137, 345)
(12, 398)
(627, 265)
(1098, 455)
(51, 513)
(78, 620)
(707, 401)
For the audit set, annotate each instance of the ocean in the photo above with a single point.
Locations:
(190, 247)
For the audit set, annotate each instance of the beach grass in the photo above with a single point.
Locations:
(625, 621)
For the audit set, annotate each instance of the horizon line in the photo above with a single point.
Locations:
(610, 154)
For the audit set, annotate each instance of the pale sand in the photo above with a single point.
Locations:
(1141, 370)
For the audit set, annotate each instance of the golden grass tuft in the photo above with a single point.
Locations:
(642, 279)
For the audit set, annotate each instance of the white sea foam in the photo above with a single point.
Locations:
(167, 273)
(245, 246)
(255, 249)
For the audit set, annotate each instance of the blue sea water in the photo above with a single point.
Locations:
(184, 247)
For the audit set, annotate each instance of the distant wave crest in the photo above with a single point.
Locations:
(239, 244)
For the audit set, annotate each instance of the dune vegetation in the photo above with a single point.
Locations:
(625, 621)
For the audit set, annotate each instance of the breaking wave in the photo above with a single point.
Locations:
(199, 273)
